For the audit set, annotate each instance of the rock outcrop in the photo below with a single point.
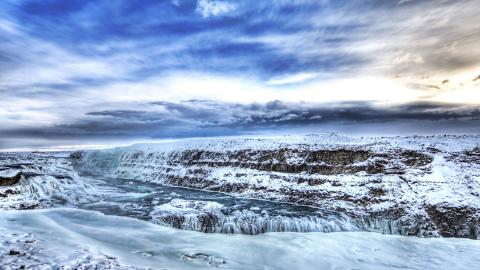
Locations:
(9, 181)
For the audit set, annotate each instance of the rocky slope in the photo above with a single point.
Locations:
(420, 185)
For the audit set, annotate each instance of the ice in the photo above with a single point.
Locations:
(208, 216)
(46, 179)
(63, 237)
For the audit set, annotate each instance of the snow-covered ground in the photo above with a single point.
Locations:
(78, 239)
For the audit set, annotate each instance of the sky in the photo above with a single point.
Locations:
(82, 72)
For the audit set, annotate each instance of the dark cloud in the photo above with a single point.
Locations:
(210, 118)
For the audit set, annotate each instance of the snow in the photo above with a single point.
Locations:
(72, 238)
(188, 206)
(449, 143)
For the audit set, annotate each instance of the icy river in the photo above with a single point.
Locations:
(131, 225)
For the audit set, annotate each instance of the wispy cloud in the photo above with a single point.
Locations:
(62, 60)
(295, 78)
(266, 40)
(208, 8)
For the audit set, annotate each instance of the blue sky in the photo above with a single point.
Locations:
(79, 71)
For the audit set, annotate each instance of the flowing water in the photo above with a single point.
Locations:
(210, 211)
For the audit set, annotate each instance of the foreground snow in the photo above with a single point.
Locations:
(69, 238)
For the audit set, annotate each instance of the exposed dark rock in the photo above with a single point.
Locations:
(19, 165)
(470, 156)
(176, 221)
(413, 158)
(76, 155)
(28, 175)
(433, 150)
(376, 167)
(311, 182)
(13, 252)
(286, 160)
(9, 181)
(208, 221)
(8, 192)
(339, 157)
(455, 221)
(59, 176)
(27, 206)
(377, 192)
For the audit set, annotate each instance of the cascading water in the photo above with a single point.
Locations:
(213, 217)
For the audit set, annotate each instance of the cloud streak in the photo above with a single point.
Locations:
(120, 41)
(195, 118)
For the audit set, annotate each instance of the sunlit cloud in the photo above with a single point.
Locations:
(210, 8)
(296, 78)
